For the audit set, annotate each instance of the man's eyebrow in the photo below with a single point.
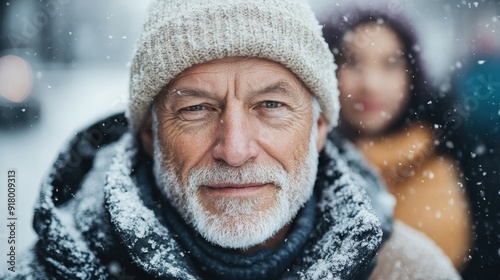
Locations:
(281, 86)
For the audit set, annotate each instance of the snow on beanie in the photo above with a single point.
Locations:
(179, 34)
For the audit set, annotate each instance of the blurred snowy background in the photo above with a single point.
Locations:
(79, 53)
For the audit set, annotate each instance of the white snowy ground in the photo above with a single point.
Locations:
(70, 100)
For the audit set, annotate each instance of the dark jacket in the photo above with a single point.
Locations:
(95, 220)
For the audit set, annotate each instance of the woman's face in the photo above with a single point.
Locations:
(373, 79)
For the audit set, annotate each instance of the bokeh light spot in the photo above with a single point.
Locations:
(16, 78)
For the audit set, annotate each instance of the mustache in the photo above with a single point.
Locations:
(221, 173)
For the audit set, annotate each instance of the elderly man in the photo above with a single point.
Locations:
(224, 171)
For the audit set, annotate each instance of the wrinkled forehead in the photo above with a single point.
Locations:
(255, 75)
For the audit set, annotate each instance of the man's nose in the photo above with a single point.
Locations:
(236, 138)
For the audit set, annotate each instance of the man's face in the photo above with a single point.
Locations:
(236, 148)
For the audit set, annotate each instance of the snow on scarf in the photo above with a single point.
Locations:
(93, 224)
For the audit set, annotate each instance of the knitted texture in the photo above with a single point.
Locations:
(178, 34)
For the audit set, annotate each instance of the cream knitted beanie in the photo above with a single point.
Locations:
(178, 34)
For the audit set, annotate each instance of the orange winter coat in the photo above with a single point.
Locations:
(427, 186)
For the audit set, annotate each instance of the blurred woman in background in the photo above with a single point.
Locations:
(408, 132)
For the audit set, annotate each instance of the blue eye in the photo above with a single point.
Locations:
(271, 104)
(196, 112)
(194, 108)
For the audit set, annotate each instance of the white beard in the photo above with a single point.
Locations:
(241, 222)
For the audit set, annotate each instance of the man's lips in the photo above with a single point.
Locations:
(231, 189)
